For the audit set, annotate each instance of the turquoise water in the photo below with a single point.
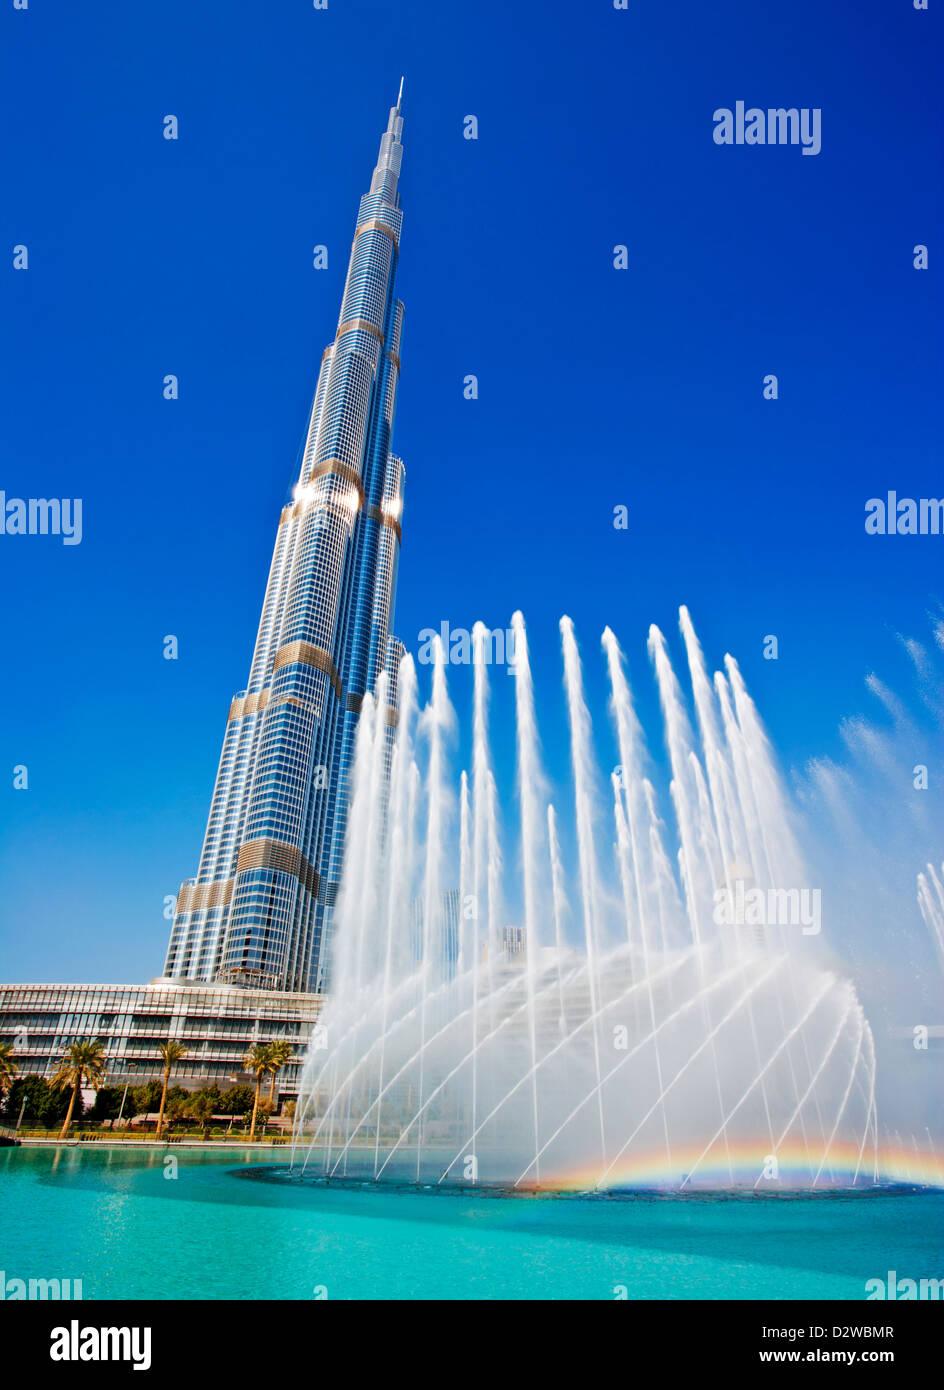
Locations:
(111, 1218)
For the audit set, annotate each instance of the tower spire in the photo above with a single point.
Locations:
(400, 95)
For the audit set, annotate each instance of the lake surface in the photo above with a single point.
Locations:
(226, 1226)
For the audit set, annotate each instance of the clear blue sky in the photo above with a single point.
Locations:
(597, 387)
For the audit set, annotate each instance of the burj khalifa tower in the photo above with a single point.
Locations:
(258, 912)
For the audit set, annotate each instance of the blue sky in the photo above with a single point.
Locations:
(597, 387)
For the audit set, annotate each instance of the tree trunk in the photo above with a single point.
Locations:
(160, 1113)
(272, 1087)
(68, 1120)
(255, 1106)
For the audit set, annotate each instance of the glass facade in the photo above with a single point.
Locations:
(258, 912)
(216, 1024)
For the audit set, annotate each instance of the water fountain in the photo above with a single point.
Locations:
(643, 1028)
(931, 903)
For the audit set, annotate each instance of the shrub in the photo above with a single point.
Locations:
(45, 1107)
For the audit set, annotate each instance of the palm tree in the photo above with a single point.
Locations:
(84, 1061)
(170, 1054)
(280, 1054)
(8, 1067)
(258, 1061)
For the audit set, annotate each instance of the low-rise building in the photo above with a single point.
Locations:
(217, 1024)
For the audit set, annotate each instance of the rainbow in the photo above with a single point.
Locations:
(742, 1165)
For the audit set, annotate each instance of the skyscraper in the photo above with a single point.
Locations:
(258, 911)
